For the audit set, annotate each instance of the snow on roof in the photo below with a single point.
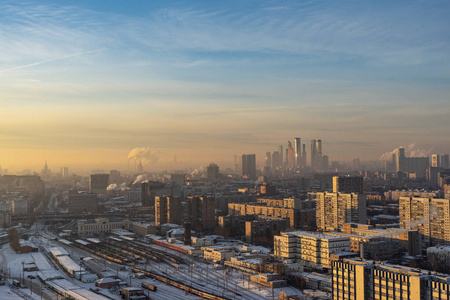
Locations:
(107, 280)
(153, 237)
(171, 225)
(260, 249)
(177, 231)
(317, 276)
(92, 240)
(50, 275)
(74, 291)
(122, 232)
(69, 264)
(41, 261)
(26, 243)
(84, 243)
(66, 284)
(316, 235)
(288, 291)
(65, 241)
(444, 248)
(387, 217)
(58, 251)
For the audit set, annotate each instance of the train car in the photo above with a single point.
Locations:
(180, 285)
(170, 246)
(149, 286)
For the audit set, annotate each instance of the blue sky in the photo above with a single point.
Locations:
(206, 79)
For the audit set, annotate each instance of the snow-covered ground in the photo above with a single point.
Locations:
(232, 285)
(8, 294)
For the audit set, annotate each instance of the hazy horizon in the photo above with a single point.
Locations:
(82, 83)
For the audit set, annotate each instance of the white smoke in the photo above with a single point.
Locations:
(143, 154)
(414, 224)
(410, 151)
(141, 178)
(391, 234)
(115, 187)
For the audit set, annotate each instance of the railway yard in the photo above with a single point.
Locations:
(114, 267)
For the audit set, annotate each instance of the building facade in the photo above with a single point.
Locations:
(167, 210)
(202, 212)
(5, 214)
(333, 210)
(430, 216)
(440, 161)
(258, 229)
(101, 225)
(212, 172)
(82, 202)
(265, 212)
(247, 166)
(313, 249)
(98, 183)
(348, 184)
(354, 279)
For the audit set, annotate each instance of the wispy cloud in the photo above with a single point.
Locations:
(50, 60)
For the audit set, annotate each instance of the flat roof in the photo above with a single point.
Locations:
(92, 240)
(316, 235)
(58, 251)
(84, 243)
(69, 264)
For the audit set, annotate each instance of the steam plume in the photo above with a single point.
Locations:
(144, 154)
(410, 151)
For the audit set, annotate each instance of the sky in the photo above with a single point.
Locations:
(82, 83)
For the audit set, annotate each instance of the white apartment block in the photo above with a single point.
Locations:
(313, 249)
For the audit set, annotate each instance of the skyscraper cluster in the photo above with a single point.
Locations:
(294, 158)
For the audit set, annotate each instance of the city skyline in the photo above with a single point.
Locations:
(82, 84)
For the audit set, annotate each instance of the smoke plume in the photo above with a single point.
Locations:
(141, 178)
(410, 151)
(115, 187)
(144, 154)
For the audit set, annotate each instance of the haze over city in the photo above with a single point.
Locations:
(226, 150)
(82, 83)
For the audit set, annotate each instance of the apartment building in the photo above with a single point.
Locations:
(265, 212)
(310, 248)
(333, 210)
(430, 216)
(356, 279)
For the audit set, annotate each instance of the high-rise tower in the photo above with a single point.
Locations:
(316, 155)
(281, 155)
(290, 156)
(304, 156)
(298, 152)
(247, 166)
(400, 160)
